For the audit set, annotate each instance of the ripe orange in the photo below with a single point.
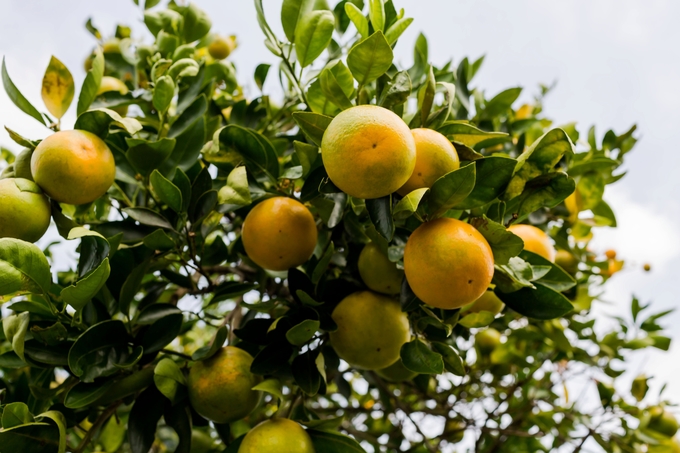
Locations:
(221, 47)
(74, 167)
(378, 272)
(24, 210)
(396, 372)
(448, 263)
(278, 435)
(535, 240)
(371, 330)
(610, 254)
(435, 157)
(488, 302)
(368, 151)
(279, 233)
(220, 387)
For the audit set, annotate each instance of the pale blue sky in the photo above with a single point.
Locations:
(616, 62)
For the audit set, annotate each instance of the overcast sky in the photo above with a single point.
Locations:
(616, 62)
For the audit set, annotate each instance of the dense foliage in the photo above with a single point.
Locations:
(96, 359)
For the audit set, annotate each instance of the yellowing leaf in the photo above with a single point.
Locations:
(57, 88)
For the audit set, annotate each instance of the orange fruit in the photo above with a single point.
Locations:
(610, 254)
(368, 151)
(487, 340)
(535, 240)
(489, 301)
(371, 330)
(647, 267)
(279, 233)
(566, 261)
(662, 421)
(220, 388)
(435, 157)
(221, 47)
(74, 167)
(396, 372)
(278, 435)
(448, 263)
(378, 272)
(24, 210)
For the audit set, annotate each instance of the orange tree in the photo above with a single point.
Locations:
(231, 276)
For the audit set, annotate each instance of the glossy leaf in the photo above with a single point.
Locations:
(303, 332)
(98, 121)
(539, 303)
(166, 191)
(292, 11)
(333, 442)
(467, 134)
(15, 327)
(493, 175)
(380, 213)
(23, 269)
(236, 191)
(357, 18)
(557, 278)
(92, 81)
(312, 124)
(409, 204)
(17, 98)
(82, 291)
(337, 84)
(146, 156)
(313, 34)
(169, 379)
(418, 357)
(370, 59)
(504, 244)
(255, 148)
(450, 190)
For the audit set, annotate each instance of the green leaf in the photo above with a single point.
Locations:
(358, 19)
(313, 34)
(196, 23)
(539, 303)
(30, 438)
(271, 386)
(500, 103)
(146, 156)
(206, 352)
(169, 379)
(166, 191)
(557, 278)
(163, 92)
(146, 216)
(83, 394)
(493, 175)
(370, 59)
(131, 287)
(92, 81)
(82, 292)
(539, 159)
(332, 442)
(59, 419)
(480, 319)
(397, 29)
(16, 414)
(312, 124)
(15, 327)
(450, 190)
(236, 191)
(183, 125)
(380, 213)
(467, 134)
(307, 299)
(98, 122)
(292, 11)
(426, 98)
(397, 90)
(98, 339)
(504, 244)
(453, 363)
(303, 332)
(306, 373)
(590, 187)
(337, 84)
(545, 191)
(57, 88)
(254, 147)
(307, 155)
(515, 275)
(17, 98)
(409, 204)
(23, 269)
(323, 263)
(417, 357)
(22, 141)
(376, 12)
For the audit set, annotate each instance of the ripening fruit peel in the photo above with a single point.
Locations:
(24, 210)
(535, 240)
(278, 435)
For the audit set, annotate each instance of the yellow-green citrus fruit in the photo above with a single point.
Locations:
(396, 372)
(448, 263)
(435, 157)
(566, 261)
(647, 267)
(488, 302)
(371, 330)
(220, 388)
(378, 272)
(221, 47)
(368, 151)
(24, 210)
(279, 233)
(22, 165)
(111, 46)
(662, 422)
(535, 240)
(487, 340)
(278, 435)
(74, 167)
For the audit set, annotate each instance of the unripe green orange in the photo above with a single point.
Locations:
(278, 435)
(566, 261)
(371, 330)
(221, 47)
(24, 210)
(220, 388)
(396, 372)
(488, 302)
(378, 272)
(435, 157)
(74, 167)
(368, 151)
(487, 340)
(662, 421)
(279, 233)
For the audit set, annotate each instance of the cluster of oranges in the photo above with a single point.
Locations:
(74, 167)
